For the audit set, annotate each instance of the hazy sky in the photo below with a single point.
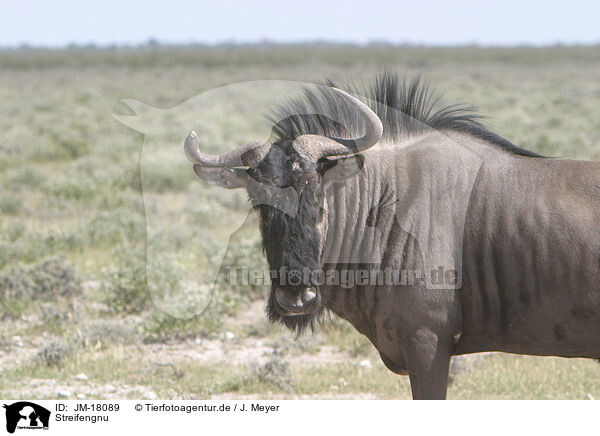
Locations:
(507, 22)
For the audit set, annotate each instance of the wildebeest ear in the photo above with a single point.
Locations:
(342, 168)
(229, 178)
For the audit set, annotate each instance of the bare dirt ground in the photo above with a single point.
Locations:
(228, 349)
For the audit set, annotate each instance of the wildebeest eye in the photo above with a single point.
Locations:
(253, 172)
(295, 165)
(325, 164)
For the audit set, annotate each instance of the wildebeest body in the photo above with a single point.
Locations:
(531, 262)
(432, 191)
(532, 259)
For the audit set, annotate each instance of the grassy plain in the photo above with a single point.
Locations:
(73, 297)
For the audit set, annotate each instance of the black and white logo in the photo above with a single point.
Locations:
(26, 415)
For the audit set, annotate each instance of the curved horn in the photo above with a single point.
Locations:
(374, 126)
(320, 146)
(245, 156)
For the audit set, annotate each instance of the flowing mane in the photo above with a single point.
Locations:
(405, 108)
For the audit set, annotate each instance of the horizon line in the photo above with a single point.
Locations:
(154, 43)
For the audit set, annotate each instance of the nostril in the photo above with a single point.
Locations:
(286, 300)
(308, 295)
(296, 301)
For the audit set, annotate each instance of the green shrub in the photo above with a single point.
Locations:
(10, 203)
(162, 327)
(158, 177)
(27, 176)
(275, 372)
(115, 227)
(23, 288)
(24, 245)
(65, 143)
(45, 280)
(103, 333)
(72, 189)
(125, 282)
(54, 353)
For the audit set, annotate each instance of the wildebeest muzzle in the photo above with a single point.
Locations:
(302, 300)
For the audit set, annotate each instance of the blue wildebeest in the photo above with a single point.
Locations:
(502, 245)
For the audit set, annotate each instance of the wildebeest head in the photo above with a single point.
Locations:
(290, 172)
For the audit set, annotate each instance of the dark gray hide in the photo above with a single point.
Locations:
(437, 190)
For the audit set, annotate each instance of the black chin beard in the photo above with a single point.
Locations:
(293, 241)
(296, 323)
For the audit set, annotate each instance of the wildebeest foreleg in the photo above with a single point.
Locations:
(427, 356)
